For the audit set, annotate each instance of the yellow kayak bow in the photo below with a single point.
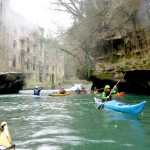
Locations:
(5, 139)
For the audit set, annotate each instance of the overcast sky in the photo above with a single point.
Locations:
(39, 13)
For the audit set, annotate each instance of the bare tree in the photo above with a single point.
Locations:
(95, 23)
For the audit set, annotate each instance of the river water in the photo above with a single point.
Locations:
(73, 123)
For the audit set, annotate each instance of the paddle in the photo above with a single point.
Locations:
(100, 89)
(102, 105)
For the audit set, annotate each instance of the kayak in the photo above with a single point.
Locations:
(5, 139)
(57, 94)
(134, 109)
(96, 92)
(37, 96)
(78, 92)
(82, 92)
(119, 94)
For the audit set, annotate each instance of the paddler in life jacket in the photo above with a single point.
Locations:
(62, 91)
(106, 95)
(78, 90)
(37, 90)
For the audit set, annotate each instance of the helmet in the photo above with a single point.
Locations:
(106, 87)
(108, 90)
(36, 87)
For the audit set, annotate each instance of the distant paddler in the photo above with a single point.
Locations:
(62, 91)
(37, 90)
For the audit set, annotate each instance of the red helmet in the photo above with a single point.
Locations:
(108, 90)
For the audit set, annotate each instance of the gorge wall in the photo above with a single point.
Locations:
(133, 73)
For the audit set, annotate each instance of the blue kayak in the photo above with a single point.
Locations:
(121, 107)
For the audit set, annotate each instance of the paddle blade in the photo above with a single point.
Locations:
(101, 106)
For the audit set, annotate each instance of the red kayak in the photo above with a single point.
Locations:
(78, 92)
(82, 92)
(120, 94)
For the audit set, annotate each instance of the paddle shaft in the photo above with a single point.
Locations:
(113, 88)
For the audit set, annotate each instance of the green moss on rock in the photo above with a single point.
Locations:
(106, 76)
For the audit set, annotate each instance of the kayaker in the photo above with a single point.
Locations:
(37, 90)
(106, 95)
(78, 90)
(83, 90)
(95, 90)
(62, 91)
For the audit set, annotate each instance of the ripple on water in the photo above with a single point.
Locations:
(51, 130)
(49, 117)
(49, 147)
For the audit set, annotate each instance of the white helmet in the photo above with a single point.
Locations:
(36, 87)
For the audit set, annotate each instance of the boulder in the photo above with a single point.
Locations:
(11, 82)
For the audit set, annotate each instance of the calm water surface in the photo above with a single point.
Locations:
(73, 123)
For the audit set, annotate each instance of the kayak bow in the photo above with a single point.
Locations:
(5, 139)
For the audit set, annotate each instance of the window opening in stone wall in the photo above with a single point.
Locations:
(34, 62)
(14, 61)
(47, 67)
(40, 77)
(33, 65)
(28, 63)
(22, 43)
(28, 49)
(1, 7)
(52, 78)
(14, 44)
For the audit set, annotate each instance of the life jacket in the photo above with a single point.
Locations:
(77, 90)
(36, 91)
(62, 91)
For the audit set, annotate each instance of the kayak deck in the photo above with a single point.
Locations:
(121, 107)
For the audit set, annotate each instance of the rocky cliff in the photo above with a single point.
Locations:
(11, 82)
(132, 72)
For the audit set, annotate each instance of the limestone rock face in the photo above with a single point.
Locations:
(11, 82)
(133, 74)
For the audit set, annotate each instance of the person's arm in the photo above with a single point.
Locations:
(40, 88)
(115, 90)
(104, 98)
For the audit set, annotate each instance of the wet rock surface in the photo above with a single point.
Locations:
(11, 82)
(136, 82)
